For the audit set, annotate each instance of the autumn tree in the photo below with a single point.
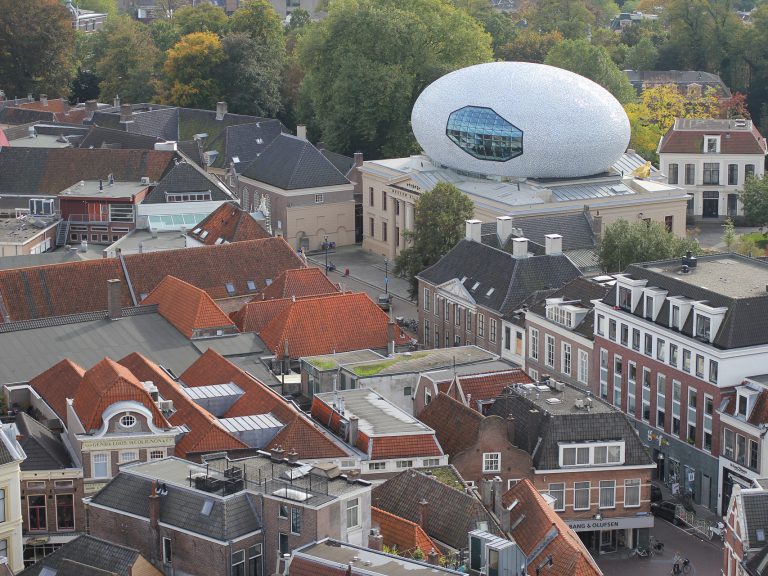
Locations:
(37, 48)
(190, 71)
(367, 62)
(624, 243)
(201, 18)
(572, 18)
(439, 220)
(529, 46)
(108, 7)
(755, 200)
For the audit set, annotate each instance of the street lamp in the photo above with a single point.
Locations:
(325, 245)
(386, 276)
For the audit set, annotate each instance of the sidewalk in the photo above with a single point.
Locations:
(364, 267)
(702, 513)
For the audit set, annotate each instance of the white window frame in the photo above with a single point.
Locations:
(353, 506)
(153, 454)
(565, 358)
(491, 462)
(580, 487)
(426, 299)
(492, 330)
(633, 485)
(319, 198)
(607, 485)
(533, 346)
(549, 351)
(591, 457)
(107, 462)
(559, 487)
(122, 458)
(583, 370)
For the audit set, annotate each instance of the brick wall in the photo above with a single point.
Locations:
(49, 491)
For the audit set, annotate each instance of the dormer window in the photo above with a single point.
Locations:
(597, 454)
(742, 406)
(128, 421)
(711, 144)
(675, 322)
(560, 316)
(625, 298)
(703, 326)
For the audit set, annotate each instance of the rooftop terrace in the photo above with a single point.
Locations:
(421, 361)
(562, 399)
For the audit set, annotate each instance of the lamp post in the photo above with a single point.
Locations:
(386, 276)
(325, 245)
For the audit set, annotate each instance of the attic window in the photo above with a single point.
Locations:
(251, 285)
(219, 240)
(204, 234)
(269, 282)
(196, 231)
(207, 507)
(259, 140)
(230, 288)
(760, 535)
(236, 159)
(490, 292)
(463, 279)
(475, 286)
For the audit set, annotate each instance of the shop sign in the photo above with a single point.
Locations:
(611, 523)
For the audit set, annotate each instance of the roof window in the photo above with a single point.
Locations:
(230, 288)
(204, 234)
(207, 507)
(251, 285)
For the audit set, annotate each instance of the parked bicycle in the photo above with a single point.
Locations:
(641, 552)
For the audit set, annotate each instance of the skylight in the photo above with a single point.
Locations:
(475, 286)
(235, 159)
(490, 292)
(291, 494)
(219, 240)
(251, 285)
(196, 231)
(204, 234)
(207, 507)
(230, 288)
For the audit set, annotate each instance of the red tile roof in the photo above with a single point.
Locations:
(402, 534)
(308, 567)
(205, 433)
(228, 223)
(319, 325)
(57, 384)
(386, 447)
(570, 557)
(187, 307)
(60, 111)
(456, 426)
(105, 384)
(489, 385)
(299, 283)
(683, 141)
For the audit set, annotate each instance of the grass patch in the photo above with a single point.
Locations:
(323, 364)
(445, 475)
(760, 240)
(376, 367)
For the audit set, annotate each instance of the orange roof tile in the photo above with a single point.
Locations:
(319, 325)
(403, 534)
(385, 447)
(299, 283)
(488, 386)
(105, 384)
(228, 223)
(187, 307)
(57, 384)
(456, 425)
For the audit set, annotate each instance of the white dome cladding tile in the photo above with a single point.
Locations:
(570, 125)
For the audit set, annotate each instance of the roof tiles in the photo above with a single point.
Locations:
(456, 426)
(299, 282)
(57, 384)
(385, 447)
(228, 223)
(402, 534)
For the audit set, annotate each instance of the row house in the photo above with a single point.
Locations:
(672, 340)
(745, 541)
(560, 330)
(587, 457)
(711, 159)
(466, 294)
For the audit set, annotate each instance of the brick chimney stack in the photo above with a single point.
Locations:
(126, 113)
(221, 110)
(375, 540)
(114, 299)
(423, 514)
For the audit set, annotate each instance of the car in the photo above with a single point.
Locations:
(665, 510)
(656, 495)
(384, 301)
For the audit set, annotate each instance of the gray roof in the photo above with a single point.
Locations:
(185, 177)
(44, 448)
(722, 280)
(91, 552)
(512, 279)
(5, 454)
(579, 289)
(757, 565)
(540, 426)
(99, 137)
(344, 164)
(29, 260)
(574, 228)
(292, 163)
(230, 517)
(639, 78)
(452, 514)
(755, 510)
(247, 141)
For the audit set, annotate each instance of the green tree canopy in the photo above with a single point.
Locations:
(259, 20)
(624, 243)
(530, 46)
(38, 48)
(200, 18)
(641, 56)
(439, 220)
(366, 63)
(126, 60)
(755, 200)
(572, 18)
(593, 62)
(101, 6)
(190, 71)
(251, 81)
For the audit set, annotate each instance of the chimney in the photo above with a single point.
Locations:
(433, 557)
(114, 299)
(90, 108)
(126, 113)
(375, 540)
(353, 427)
(423, 514)
(293, 456)
(553, 244)
(520, 248)
(320, 145)
(474, 230)
(221, 110)
(301, 131)
(116, 101)
(597, 225)
(44, 99)
(154, 507)
(358, 158)
(511, 429)
(498, 490)
(30, 97)
(503, 228)
(390, 337)
(65, 106)
(277, 453)
(486, 493)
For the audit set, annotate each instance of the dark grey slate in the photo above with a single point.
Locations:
(90, 551)
(185, 177)
(44, 448)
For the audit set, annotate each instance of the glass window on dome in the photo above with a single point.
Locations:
(484, 134)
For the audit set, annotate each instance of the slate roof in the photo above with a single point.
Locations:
(573, 227)
(582, 290)
(319, 324)
(402, 534)
(51, 170)
(687, 137)
(743, 324)
(187, 177)
(44, 448)
(98, 137)
(300, 282)
(754, 507)
(540, 532)
(539, 432)
(451, 514)
(229, 518)
(343, 164)
(190, 309)
(150, 120)
(228, 223)
(456, 426)
(246, 141)
(511, 280)
(681, 78)
(757, 565)
(292, 163)
(91, 552)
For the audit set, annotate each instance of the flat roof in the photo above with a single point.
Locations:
(14, 231)
(377, 416)
(726, 274)
(341, 555)
(713, 124)
(479, 368)
(144, 241)
(40, 141)
(30, 260)
(94, 189)
(333, 361)
(561, 402)
(421, 361)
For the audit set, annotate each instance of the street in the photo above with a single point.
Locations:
(706, 557)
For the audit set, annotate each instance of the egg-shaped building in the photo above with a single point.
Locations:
(519, 119)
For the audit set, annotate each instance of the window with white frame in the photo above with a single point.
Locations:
(481, 326)
(156, 455)
(238, 563)
(692, 411)
(296, 520)
(456, 315)
(598, 454)
(631, 387)
(686, 360)
(632, 493)
(559, 315)
(583, 374)
(703, 327)
(533, 346)
(673, 355)
(353, 513)
(729, 443)
(699, 366)
(100, 465)
(404, 464)
(713, 371)
(675, 320)
(648, 345)
(601, 325)
(603, 373)
(468, 320)
(581, 500)
(557, 491)
(426, 299)
(706, 439)
(661, 400)
(661, 348)
(437, 304)
(676, 387)
(607, 493)
(491, 462)
(431, 462)
(319, 198)
(646, 398)
(612, 330)
(129, 456)
(565, 358)
(446, 310)
(549, 350)
(617, 375)
(2, 504)
(625, 298)
(493, 328)
(375, 466)
(574, 456)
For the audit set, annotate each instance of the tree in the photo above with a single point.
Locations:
(530, 46)
(251, 82)
(101, 6)
(298, 19)
(164, 34)
(190, 71)
(38, 45)
(624, 243)
(645, 135)
(438, 226)
(572, 18)
(595, 63)
(729, 234)
(126, 60)
(259, 20)
(641, 56)
(201, 18)
(754, 198)
(370, 59)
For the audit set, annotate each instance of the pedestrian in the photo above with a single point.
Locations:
(677, 567)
